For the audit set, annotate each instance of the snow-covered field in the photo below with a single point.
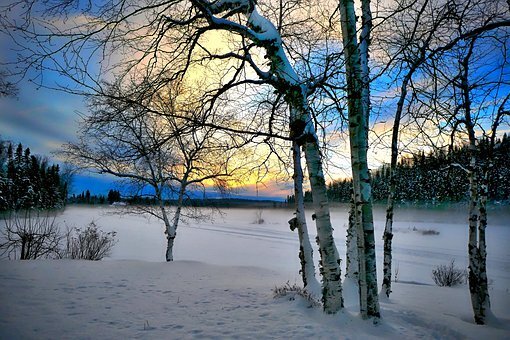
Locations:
(220, 284)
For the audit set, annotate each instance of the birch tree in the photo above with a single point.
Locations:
(299, 222)
(477, 171)
(157, 154)
(358, 108)
(408, 46)
(411, 35)
(471, 103)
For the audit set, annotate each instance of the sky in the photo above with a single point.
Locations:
(45, 119)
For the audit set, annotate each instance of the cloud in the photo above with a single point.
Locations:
(40, 119)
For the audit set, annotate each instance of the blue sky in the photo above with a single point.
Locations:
(44, 119)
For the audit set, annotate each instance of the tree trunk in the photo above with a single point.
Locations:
(387, 239)
(170, 247)
(477, 274)
(330, 260)
(473, 251)
(358, 127)
(352, 261)
(310, 282)
(23, 255)
(388, 227)
(171, 228)
(170, 232)
(485, 306)
(302, 131)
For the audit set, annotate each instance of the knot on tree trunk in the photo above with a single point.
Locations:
(293, 223)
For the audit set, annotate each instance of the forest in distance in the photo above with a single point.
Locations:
(433, 177)
(421, 179)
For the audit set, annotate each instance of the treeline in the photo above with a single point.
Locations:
(27, 181)
(85, 197)
(433, 177)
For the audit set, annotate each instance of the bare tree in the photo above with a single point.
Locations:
(478, 186)
(160, 155)
(411, 34)
(470, 102)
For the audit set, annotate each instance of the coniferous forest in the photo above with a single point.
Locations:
(28, 181)
(432, 177)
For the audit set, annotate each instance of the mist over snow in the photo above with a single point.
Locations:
(220, 285)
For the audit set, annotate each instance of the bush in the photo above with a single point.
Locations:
(29, 237)
(258, 217)
(291, 291)
(426, 231)
(449, 275)
(89, 244)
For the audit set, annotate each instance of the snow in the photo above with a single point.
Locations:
(220, 285)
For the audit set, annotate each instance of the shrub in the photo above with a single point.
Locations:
(28, 237)
(258, 217)
(449, 275)
(429, 232)
(426, 231)
(291, 291)
(89, 244)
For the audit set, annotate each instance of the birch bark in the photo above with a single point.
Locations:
(477, 269)
(303, 133)
(310, 282)
(358, 127)
(351, 243)
(171, 227)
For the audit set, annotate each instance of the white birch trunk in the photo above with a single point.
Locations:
(477, 249)
(473, 251)
(310, 282)
(170, 232)
(171, 228)
(351, 242)
(358, 127)
(485, 306)
(303, 132)
(388, 238)
(330, 260)
(477, 253)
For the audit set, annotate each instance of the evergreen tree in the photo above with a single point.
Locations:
(434, 177)
(27, 182)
